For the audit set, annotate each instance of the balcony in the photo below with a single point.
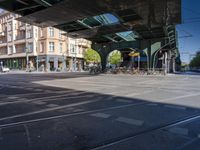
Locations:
(22, 28)
(20, 50)
(83, 43)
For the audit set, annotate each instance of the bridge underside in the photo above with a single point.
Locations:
(148, 25)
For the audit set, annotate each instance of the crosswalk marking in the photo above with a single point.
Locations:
(130, 121)
(39, 102)
(13, 97)
(101, 115)
(124, 101)
(179, 130)
(175, 107)
(52, 105)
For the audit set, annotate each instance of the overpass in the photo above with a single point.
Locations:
(146, 25)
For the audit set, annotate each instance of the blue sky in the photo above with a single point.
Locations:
(190, 26)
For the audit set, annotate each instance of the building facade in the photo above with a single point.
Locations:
(25, 46)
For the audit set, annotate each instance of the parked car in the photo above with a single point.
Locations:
(4, 69)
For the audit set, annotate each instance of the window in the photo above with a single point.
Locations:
(36, 33)
(60, 34)
(51, 46)
(15, 26)
(10, 50)
(9, 37)
(72, 48)
(51, 31)
(30, 47)
(41, 32)
(29, 34)
(41, 47)
(60, 47)
(9, 26)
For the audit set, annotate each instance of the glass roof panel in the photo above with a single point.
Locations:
(107, 19)
(127, 35)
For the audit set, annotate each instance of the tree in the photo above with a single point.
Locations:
(91, 55)
(195, 62)
(115, 57)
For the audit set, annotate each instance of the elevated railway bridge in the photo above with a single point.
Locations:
(144, 25)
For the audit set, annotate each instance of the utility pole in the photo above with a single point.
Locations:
(139, 62)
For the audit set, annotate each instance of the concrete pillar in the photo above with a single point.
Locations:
(165, 63)
(64, 65)
(47, 64)
(71, 64)
(149, 67)
(56, 63)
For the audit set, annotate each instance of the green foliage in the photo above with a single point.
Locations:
(115, 57)
(91, 56)
(195, 62)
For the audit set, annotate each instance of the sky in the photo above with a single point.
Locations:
(190, 26)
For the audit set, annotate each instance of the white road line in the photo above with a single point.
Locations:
(198, 135)
(39, 103)
(180, 97)
(152, 104)
(78, 110)
(47, 110)
(52, 105)
(13, 97)
(179, 130)
(38, 90)
(101, 115)
(124, 101)
(68, 115)
(130, 121)
(139, 93)
(46, 98)
(27, 94)
(175, 107)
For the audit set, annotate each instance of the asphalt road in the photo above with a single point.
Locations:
(76, 111)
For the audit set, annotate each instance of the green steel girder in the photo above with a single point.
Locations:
(108, 47)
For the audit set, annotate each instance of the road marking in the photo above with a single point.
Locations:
(23, 99)
(47, 110)
(27, 134)
(152, 104)
(20, 87)
(77, 110)
(38, 90)
(101, 115)
(180, 97)
(179, 130)
(52, 105)
(175, 107)
(39, 103)
(13, 97)
(109, 98)
(68, 115)
(48, 98)
(130, 121)
(48, 91)
(198, 136)
(124, 101)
